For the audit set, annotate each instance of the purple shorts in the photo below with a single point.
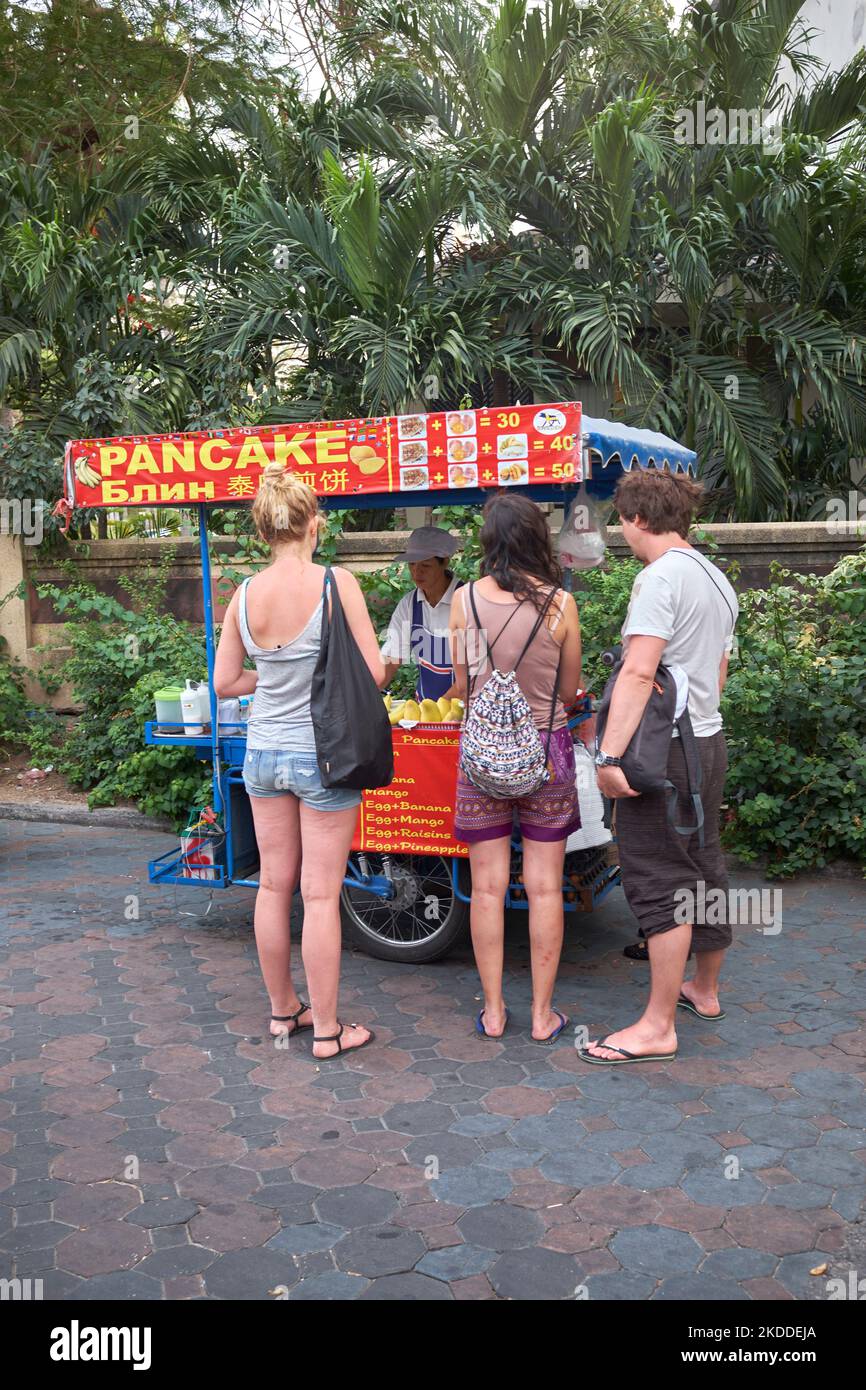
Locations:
(551, 813)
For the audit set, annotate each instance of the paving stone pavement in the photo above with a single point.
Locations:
(154, 1144)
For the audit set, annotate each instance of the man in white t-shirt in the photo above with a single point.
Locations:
(682, 613)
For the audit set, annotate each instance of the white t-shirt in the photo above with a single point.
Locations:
(670, 598)
(435, 618)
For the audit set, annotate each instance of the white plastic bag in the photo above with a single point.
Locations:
(583, 538)
(592, 828)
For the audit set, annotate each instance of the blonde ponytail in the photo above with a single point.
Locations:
(284, 505)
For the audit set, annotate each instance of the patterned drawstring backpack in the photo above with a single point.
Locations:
(501, 750)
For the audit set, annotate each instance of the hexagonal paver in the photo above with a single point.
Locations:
(378, 1250)
(442, 1150)
(103, 1248)
(332, 1287)
(775, 1229)
(419, 1117)
(165, 1211)
(473, 1186)
(501, 1226)
(250, 1275)
(353, 1207)
(228, 1226)
(537, 1275)
(306, 1240)
(340, 1168)
(657, 1251)
(456, 1262)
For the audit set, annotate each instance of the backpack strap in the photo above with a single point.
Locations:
(539, 620)
(694, 775)
(488, 658)
(680, 550)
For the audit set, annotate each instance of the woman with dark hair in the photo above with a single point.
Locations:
(520, 585)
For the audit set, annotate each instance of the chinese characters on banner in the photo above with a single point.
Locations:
(501, 447)
(415, 814)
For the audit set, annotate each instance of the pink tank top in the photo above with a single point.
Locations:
(536, 674)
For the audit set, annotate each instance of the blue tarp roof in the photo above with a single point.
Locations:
(630, 446)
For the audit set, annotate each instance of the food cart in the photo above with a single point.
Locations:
(406, 891)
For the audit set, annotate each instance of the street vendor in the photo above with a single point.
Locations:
(419, 630)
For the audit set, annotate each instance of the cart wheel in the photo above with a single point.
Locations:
(422, 922)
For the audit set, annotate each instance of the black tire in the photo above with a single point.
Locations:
(403, 928)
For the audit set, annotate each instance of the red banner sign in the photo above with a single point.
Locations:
(415, 815)
(454, 449)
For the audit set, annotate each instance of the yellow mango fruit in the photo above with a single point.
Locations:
(411, 710)
(387, 699)
(395, 713)
(444, 707)
(430, 712)
(457, 710)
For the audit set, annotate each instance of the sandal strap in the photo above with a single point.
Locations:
(291, 1018)
(336, 1038)
(611, 1047)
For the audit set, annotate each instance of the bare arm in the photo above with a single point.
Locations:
(723, 671)
(631, 692)
(570, 671)
(360, 623)
(229, 676)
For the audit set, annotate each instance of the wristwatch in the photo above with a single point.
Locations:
(605, 759)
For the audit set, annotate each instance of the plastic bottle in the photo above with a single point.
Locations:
(190, 704)
(245, 707)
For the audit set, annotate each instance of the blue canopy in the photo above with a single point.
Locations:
(628, 446)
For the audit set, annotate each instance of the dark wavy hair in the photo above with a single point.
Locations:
(516, 547)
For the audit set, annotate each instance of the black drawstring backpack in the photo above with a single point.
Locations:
(645, 760)
(354, 748)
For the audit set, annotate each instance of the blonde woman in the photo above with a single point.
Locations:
(304, 830)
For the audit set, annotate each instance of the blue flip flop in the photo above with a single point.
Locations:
(551, 1037)
(481, 1032)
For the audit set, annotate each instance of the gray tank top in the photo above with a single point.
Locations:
(281, 704)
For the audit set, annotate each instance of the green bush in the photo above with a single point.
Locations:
(795, 721)
(13, 710)
(120, 655)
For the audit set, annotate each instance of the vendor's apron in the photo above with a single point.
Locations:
(429, 651)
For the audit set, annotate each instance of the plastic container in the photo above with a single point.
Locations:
(229, 713)
(168, 707)
(245, 704)
(190, 704)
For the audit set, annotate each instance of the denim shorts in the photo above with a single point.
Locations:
(295, 772)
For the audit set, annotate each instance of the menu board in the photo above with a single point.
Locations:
(415, 814)
(509, 446)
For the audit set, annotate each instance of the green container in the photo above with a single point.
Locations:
(168, 710)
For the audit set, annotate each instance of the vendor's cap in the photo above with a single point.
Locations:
(428, 543)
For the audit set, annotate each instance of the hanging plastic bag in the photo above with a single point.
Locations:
(583, 538)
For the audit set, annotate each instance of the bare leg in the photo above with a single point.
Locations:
(703, 989)
(279, 840)
(542, 878)
(655, 1030)
(490, 861)
(327, 839)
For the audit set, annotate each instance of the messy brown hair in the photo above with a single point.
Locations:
(663, 501)
(516, 547)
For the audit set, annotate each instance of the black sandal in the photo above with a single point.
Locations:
(356, 1047)
(291, 1018)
